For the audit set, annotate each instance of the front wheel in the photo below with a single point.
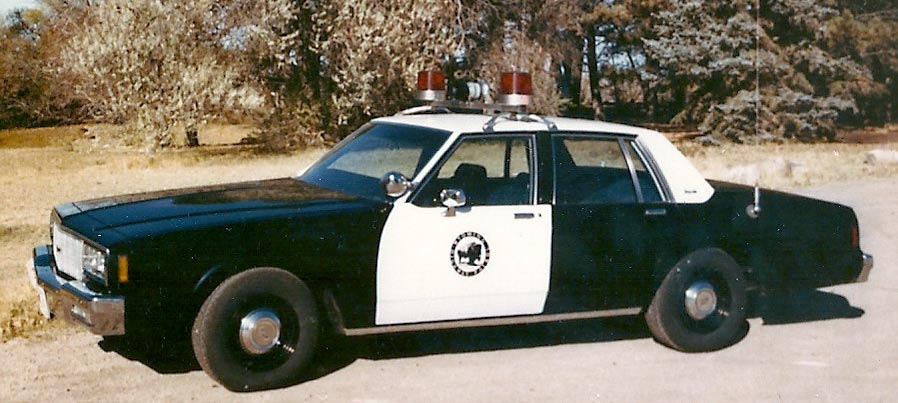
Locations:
(257, 330)
(700, 305)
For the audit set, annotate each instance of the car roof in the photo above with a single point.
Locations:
(687, 184)
(473, 123)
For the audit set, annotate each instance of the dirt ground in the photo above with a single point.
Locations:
(830, 345)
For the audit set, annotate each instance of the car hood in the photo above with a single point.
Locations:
(117, 211)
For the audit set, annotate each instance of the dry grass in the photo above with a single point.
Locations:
(39, 170)
(39, 137)
(789, 166)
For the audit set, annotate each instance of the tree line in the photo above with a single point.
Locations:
(309, 71)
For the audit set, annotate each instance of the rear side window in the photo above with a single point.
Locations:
(595, 153)
(591, 170)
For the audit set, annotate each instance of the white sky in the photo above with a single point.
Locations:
(7, 5)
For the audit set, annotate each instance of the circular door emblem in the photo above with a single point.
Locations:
(469, 254)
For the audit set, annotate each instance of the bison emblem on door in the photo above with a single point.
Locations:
(470, 253)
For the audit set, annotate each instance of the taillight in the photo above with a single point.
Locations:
(855, 237)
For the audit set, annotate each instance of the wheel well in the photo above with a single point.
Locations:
(751, 264)
(667, 262)
(207, 283)
(215, 275)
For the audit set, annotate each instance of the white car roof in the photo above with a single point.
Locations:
(470, 123)
(686, 184)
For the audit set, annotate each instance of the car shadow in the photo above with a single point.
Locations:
(336, 353)
(502, 337)
(343, 351)
(164, 357)
(786, 307)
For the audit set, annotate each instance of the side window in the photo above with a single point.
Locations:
(590, 170)
(490, 170)
(647, 183)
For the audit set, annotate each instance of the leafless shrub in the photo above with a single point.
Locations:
(373, 50)
(157, 65)
(518, 52)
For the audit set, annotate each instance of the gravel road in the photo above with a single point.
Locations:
(837, 344)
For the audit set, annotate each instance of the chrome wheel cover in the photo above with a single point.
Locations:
(260, 331)
(701, 300)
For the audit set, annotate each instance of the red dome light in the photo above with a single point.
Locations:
(515, 88)
(431, 86)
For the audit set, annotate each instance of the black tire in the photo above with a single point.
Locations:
(216, 330)
(671, 322)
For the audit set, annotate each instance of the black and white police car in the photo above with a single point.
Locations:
(437, 219)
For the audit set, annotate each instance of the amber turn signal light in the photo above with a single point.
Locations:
(122, 269)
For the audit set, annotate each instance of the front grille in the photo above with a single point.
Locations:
(67, 251)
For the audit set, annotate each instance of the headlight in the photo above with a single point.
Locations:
(93, 261)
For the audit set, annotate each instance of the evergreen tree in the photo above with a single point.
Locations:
(752, 75)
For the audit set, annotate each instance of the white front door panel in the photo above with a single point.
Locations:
(485, 261)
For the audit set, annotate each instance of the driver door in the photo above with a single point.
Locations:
(489, 257)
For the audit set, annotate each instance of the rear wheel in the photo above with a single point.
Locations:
(257, 330)
(700, 305)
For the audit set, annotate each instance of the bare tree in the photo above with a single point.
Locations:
(518, 52)
(157, 66)
(373, 49)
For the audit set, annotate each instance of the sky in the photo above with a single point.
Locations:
(8, 5)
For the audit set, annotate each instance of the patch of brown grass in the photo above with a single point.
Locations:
(39, 137)
(812, 164)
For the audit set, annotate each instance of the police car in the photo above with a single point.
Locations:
(436, 218)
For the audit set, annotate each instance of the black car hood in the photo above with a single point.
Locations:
(117, 211)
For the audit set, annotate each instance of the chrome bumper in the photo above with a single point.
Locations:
(100, 313)
(866, 268)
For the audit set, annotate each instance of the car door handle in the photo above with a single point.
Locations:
(523, 216)
(656, 212)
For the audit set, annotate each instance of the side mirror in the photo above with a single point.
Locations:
(395, 184)
(452, 199)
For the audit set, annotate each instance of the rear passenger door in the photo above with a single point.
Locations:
(610, 222)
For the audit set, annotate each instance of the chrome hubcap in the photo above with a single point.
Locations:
(259, 331)
(701, 300)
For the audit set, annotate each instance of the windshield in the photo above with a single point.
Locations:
(358, 163)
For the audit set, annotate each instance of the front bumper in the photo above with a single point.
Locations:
(866, 268)
(102, 314)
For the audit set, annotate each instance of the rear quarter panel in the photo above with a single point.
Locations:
(796, 242)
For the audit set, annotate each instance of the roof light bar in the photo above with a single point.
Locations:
(431, 86)
(515, 88)
(441, 95)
